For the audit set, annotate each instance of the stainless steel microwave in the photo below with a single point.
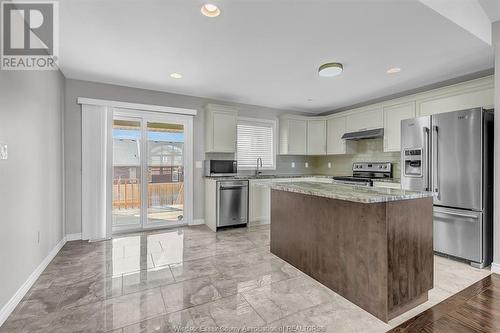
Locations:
(220, 168)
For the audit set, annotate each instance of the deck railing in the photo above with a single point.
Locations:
(126, 194)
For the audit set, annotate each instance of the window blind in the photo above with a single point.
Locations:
(255, 139)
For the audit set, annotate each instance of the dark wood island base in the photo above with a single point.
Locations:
(377, 255)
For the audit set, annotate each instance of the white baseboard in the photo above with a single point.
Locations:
(259, 222)
(495, 268)
(21, 292)
(197, 222)
(72, 237)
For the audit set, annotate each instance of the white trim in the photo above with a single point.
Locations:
(197, 222)
(495, 268)
(25, 287)
(136, 106)
(73, 237)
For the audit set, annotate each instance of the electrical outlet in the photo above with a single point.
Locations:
(293, 164)
(4, 154)
(307, 164)
(329, 165)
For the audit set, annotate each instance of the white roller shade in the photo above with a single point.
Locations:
(255, 139)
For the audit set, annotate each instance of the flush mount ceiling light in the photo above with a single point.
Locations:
(330, 69)
(210, 10)
(393, 70)
(176, 76)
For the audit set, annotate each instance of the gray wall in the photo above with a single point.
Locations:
(72, 126)
(31, 187)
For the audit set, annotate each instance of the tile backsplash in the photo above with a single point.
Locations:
(283, 164)
(371, 150)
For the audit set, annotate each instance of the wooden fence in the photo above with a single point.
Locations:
(126, 194)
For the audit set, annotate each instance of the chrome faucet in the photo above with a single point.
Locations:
(257, 172)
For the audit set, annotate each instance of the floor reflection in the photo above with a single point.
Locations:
(131, 253)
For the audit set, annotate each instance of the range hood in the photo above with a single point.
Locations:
(368, 134)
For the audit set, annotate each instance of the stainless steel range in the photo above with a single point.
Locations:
(363, 173)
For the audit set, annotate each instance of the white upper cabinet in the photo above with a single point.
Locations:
(316, 137)
(335, 129)
(365, 120)
(293, 136)
(220, 129)
(392, 124)
(453, 101)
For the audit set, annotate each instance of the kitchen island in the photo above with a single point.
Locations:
(371, 245)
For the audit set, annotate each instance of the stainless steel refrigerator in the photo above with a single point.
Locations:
(451, 154)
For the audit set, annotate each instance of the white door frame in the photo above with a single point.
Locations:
(187, 122)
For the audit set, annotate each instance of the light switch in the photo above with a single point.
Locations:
(293, 164)
(329, 165)
(198, 165)
(307, 165)
(3, 151)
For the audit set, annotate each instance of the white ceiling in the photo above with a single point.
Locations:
(267, 52)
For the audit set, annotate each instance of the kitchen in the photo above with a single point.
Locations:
(328, 169)
(376, 133)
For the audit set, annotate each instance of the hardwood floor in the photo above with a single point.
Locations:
(474, 309)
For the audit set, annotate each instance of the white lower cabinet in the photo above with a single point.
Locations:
(260, 196)
(259, 201)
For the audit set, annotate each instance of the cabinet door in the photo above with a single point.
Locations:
(224, 132)
(365, 120)
(392, 124)
(297, 137)
(316, 137)
(335, 129)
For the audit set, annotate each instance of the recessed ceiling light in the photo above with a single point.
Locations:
(309, 99)
(210, 10)
(330, 69)
(393, 70)
(176, 76)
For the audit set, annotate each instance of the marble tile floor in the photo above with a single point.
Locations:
(184, 279)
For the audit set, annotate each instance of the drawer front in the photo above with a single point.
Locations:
(458, 233)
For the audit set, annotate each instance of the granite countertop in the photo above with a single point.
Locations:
(387, 180)
(352, 193)
(244, 177)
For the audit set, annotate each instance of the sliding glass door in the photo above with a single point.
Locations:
(149, 170)
(127, 166)
(165, 170)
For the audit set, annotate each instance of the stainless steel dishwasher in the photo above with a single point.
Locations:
(232, 202)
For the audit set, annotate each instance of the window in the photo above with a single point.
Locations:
(256, 138)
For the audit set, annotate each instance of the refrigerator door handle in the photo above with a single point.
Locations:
(427, 157)
(472, 215)
(435, 152)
